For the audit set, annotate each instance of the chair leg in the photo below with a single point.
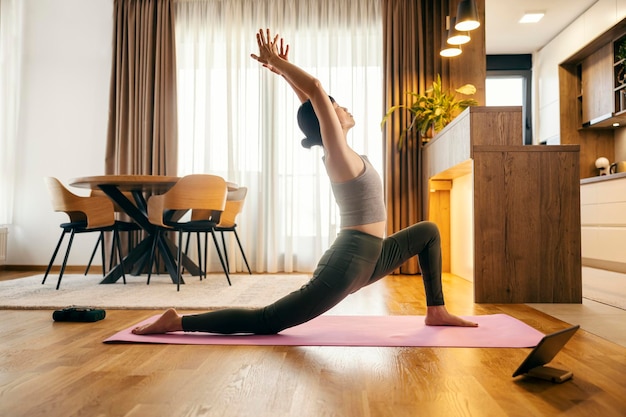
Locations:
(117, 239)
(225, 250)
(219, 253)
(187, 248)
(54, 255)
(67, 255)
(242, 252)
(93, 254)
(103, 255)
(114, 244)
(179, 269)
(199, 255)
(152, 253)
(206, 253)
(202, 270)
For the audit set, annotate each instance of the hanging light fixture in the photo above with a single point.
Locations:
(456, 37)
(448, 49)
(467, 16)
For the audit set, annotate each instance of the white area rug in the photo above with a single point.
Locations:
(213, 292)
(605, 287)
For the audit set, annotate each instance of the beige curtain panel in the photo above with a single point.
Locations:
(142, 130)
(412, 32)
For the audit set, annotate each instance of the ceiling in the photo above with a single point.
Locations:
(505, 35)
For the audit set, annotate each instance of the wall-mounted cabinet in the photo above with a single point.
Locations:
(597, 86)
(619, 76)
(592, 98)
(602, 97)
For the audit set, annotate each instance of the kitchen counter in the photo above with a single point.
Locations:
(601, 178)
(523, 208)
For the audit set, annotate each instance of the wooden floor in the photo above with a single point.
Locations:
(64, 369)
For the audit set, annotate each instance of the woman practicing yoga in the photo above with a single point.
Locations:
(360, 255)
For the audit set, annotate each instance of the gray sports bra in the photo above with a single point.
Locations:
(360, 200)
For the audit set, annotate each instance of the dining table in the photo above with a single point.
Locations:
(118, 188)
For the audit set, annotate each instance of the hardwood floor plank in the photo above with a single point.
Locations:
(62, 369)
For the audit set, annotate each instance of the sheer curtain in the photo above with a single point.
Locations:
(11, 12)
(238, 120)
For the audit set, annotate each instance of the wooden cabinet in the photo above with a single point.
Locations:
(590, 87)
(597, 86)
(525, 207)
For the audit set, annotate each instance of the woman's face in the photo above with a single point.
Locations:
(345, 118)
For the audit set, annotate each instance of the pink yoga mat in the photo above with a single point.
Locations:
(497, 330)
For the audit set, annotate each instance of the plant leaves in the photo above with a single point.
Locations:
(433, 108)
(467, 89)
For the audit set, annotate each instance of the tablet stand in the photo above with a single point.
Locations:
(550, 374)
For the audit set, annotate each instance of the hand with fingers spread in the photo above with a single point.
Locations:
(269, 49)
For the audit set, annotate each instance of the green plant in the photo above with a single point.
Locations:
(435, 108)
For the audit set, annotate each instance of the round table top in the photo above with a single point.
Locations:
(154, 183)
(127, 182)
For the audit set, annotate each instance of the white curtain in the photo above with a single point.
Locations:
(11, 12)
(238, 120)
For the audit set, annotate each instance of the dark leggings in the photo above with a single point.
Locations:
(353, 261)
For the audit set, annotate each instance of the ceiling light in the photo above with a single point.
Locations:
(467, 16)
(456, 37)
(450, 51)
(531, 17)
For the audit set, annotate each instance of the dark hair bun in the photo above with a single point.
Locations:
(309, 125)
(309, 143)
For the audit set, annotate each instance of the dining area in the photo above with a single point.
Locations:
(160, 211)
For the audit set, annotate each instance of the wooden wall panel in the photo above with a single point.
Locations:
(528, 247)
(526, 208)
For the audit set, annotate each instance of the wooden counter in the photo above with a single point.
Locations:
(525, 207)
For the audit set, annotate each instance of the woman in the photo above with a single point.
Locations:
(359, 255)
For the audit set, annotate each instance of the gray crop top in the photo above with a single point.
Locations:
(360, 200)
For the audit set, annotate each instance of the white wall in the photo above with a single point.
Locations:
(596, 20)
(63, 117)
(462, 225)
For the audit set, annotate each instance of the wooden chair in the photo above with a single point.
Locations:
(234, 206)
(121, 226)
(192, 192)
(86, 214)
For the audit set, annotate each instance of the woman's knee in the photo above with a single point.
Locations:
(425, 231)
(431, 229)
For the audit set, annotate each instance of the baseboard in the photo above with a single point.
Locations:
(42, 268)
(603, 264)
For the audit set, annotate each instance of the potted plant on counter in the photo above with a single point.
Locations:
(433, 110)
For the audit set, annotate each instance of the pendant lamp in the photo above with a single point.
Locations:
(447, 49)
(467, 16)
(456, 37)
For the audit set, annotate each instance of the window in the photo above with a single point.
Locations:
(238, 120)
(508, 83)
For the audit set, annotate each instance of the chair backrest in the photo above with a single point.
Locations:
(192, 192)
(118, 209)
(234, 206)
(95, 211)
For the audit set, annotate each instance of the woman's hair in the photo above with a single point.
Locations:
(310, 124)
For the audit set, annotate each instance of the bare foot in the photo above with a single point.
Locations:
(170, 321)
(439, 316)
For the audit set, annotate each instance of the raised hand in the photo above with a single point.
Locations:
(268, 49)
